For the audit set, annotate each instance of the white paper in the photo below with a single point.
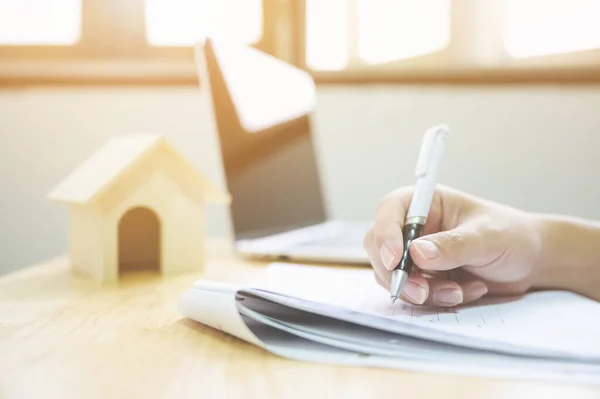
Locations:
(215, 305)
(554, 323)
(388, 346)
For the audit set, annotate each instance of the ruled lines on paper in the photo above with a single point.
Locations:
(371, 298)
(357, 290)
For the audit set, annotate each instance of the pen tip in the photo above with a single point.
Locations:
(394, 299)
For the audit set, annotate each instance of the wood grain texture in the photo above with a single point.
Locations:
(66, 337)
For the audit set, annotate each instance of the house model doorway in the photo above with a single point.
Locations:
(139, 240)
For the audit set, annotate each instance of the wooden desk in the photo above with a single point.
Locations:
(62, 337)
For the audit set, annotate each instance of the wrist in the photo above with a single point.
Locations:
(569, 256)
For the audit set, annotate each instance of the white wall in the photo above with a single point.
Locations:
(532, 147)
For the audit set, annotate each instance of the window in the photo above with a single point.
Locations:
(184, 22)
(543, 27)
(343, 34)
(396, 38)
(121, 41)
(345, 41)
(395, 30)
(327, 34)
(39, 22)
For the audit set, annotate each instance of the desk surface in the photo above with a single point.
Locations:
(64, 337)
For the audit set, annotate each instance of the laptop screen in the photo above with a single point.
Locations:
(262, 113)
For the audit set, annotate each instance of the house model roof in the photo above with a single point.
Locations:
(120, 154)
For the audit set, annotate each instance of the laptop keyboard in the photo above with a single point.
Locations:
(343, 240)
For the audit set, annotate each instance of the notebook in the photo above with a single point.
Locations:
(342, 316)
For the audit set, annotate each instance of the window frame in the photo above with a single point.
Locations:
(102, 59)
(576, 67)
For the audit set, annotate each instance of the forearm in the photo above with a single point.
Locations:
(570, 255)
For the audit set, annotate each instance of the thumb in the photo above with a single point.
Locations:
(461, 246)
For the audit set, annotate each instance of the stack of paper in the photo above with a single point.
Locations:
(339, 316)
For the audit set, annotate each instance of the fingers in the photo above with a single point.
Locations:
(438, 293)
(375, 258)
(387, 243)
(467, 245)
(474, 290)
(472, 244)
(415, 291)
(433, 291)
(447, 293)
(387, 230)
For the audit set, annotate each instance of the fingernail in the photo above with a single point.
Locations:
(387, 257)
(415, 292)
(477, 290)
(426, 249)
(448, 296)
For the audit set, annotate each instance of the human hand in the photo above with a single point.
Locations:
(470, 247)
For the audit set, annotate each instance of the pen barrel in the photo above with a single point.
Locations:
(410, 232)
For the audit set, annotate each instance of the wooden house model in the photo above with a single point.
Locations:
(136, 204)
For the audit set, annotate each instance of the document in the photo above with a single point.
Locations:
(341, 316)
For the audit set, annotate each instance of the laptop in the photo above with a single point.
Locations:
(262, 112)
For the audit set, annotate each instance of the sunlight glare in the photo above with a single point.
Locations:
(543, 27)
(185, 22)
(326, 34)
(390, 30)
(40, 22)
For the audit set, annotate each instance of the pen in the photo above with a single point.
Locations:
(426, 171)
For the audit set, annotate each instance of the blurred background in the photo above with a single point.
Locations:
(516, 80)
